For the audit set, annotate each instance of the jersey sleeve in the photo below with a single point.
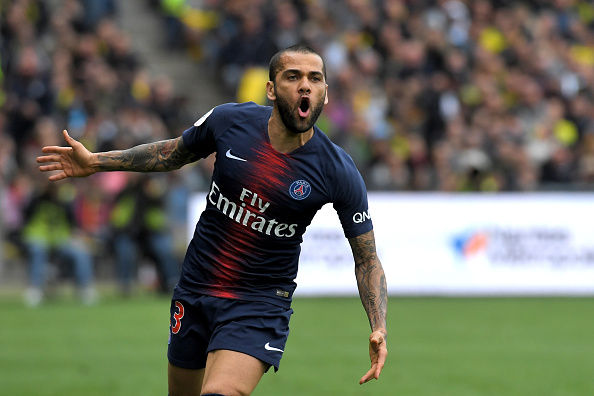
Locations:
(350, 200)
(200, 137)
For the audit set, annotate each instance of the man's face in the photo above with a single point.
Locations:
(299, 90)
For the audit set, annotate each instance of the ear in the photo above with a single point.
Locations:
(326, 95)
(270, 94)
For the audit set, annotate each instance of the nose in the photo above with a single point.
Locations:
(304, 86)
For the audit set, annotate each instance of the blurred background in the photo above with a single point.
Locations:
(471, 121)
(487, 96)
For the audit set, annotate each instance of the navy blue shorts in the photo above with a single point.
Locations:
(200, 324)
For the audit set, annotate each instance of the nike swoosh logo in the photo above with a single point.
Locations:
(269, 348)
(229, 155)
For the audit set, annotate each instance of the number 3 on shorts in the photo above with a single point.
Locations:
(177, 316)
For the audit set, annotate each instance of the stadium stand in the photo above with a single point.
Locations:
(442, 95)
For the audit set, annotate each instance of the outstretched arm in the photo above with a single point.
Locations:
(371, 282)
(77, 161)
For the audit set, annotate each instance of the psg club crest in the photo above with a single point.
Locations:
(300, 189)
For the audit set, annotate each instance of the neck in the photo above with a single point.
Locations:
(283, 140)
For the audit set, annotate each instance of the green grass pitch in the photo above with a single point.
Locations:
(438, 346)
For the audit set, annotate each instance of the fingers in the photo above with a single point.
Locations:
(52, 167)
(374, 372)
(382, 353)
(48, 158)
(378, 353)
(67, 137)
(58, 149)
(379, 367)
(371, 374)
(55, 156)
(54, 149)
(58, 176)
(71, 141)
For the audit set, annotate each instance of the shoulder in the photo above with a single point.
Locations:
(337, 160)
(222, 117)
(234, 113)
(344, 181)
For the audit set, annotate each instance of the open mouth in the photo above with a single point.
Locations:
(304, 107)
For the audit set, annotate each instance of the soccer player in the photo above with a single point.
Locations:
(274, 170)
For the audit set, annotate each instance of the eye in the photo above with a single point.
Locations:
(317, 79)
(292, 77)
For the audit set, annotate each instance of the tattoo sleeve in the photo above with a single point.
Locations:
(371, 280)
(161, 156)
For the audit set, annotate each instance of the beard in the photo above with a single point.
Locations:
(292, 121)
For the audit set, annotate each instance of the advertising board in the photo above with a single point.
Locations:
(457, 244)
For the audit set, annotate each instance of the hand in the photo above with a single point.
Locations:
(73, 161)
(378, 351)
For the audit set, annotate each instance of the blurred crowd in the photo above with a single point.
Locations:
(68, 65)
(426, 95)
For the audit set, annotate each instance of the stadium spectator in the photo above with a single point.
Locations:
(251, 45)
(50, 231)
(139, 228)
(29, 96)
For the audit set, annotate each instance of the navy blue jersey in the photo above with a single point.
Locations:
(247, 242)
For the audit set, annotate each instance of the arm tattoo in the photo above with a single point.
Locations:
(371, 279)
(159, 156)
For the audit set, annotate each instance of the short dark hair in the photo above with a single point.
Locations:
(276, 64)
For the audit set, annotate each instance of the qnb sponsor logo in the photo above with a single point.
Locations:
(360, 217)
(241, 213)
